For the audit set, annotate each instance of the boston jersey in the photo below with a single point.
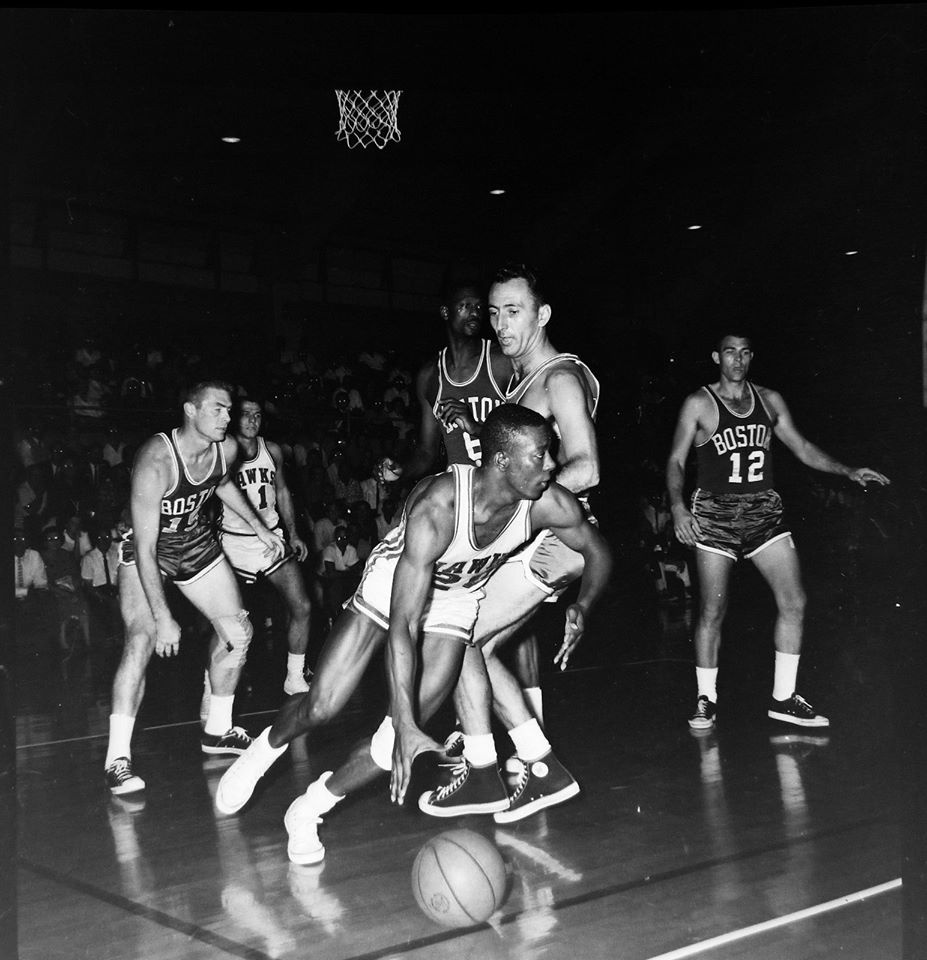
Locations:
(255, 479)
(181, 506)
(737, 457)
(481, 393)
(463, 566)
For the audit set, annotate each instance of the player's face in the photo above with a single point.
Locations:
(213, 413)
(515, 316)
(531, 466)
(465, 314)
(250, 419)
(733, 356)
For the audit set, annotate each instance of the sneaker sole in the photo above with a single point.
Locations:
(703, 724)
(510, 816)
(303, 859)
(128, 787)
(798, 721)
(223, 751)
(229, 808)
(492, 806)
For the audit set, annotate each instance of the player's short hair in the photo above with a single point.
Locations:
(451, 288)
(507, 421)
(194, 393)
(731, 330)
(521, 271)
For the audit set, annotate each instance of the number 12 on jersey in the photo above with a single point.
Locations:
(754, 469)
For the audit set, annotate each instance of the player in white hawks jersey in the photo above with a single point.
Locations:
(260, 476)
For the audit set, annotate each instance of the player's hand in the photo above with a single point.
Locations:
(456, 413)
(298, 546)
(273, 544)
(574, 627)
(863, 475)
(409, 743)
(384, 464)
(167, 638)
(685, 526)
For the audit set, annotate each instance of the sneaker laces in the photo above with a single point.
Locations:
(460, 771)
(120, 769)
(802, 704)
(524, 775)
(701, 707)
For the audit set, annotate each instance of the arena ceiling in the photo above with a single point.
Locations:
(785, 134)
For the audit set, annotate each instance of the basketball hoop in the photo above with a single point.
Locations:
(368, 117)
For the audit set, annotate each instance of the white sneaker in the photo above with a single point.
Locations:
(238, 782)
(296, 684)
(302, 826)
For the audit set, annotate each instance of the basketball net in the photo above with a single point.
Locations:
(368, 117)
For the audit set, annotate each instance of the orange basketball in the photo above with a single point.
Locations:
(459, 878)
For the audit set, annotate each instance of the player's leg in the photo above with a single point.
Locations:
(527, 669)
(714, 574)
(288, 580)
(129, 680)
(216, 594)
(779, 565)
(351, 643)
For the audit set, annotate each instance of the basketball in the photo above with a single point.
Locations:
(459, 878)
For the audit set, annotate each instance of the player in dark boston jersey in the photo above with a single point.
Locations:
(172, 478)
(468, 377)
(736, 513)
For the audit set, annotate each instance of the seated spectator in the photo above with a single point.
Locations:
(32, 504)
(76, 538)
(341, 572)
(388, 516)
(28, 567)
(114, 448)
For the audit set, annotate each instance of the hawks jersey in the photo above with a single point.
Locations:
(181, 506)
(737, 457)
(463, 566)
(481, 393)
(255, 479)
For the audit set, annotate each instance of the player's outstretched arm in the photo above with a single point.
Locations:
(428, 535)
(427, 447)
(809, 454)
(285, 503)
(559, 510)
(151, 478)
(685, 526)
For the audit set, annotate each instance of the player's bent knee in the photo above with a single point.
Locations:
(381, 745)
(234, 639)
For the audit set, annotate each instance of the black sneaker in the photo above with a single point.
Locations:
(120, 778)
(472, 790)
(705, 714)
(796, 710)
(541, 783)
(233, 742)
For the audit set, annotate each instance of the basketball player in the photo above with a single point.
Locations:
(172, 478)
(260, 476)
(736, 513)
(427, 578)
(563, 390)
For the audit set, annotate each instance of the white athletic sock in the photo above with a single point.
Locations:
(534, 697)
(320, 798)
(707, 680)
(529, 740)
(219, 720)
(479, 749)
(120, 737)
(295, 664)
(786, 675)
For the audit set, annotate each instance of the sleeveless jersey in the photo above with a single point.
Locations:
(255, 479)
(181, 506)
(515, 394)
(481, 393)
(737, 457)
(464, 567)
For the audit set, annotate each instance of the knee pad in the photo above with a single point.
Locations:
(234, 639)
(381, 745)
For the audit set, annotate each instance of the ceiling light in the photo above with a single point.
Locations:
(694, 226)
(851, 253)
(497, 192)
(231, 139)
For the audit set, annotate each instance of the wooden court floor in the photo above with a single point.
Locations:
(757, 840)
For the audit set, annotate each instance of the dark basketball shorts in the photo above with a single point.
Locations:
(738, 525)
(182, 558)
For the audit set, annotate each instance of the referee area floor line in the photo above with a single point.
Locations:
(734, 935)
